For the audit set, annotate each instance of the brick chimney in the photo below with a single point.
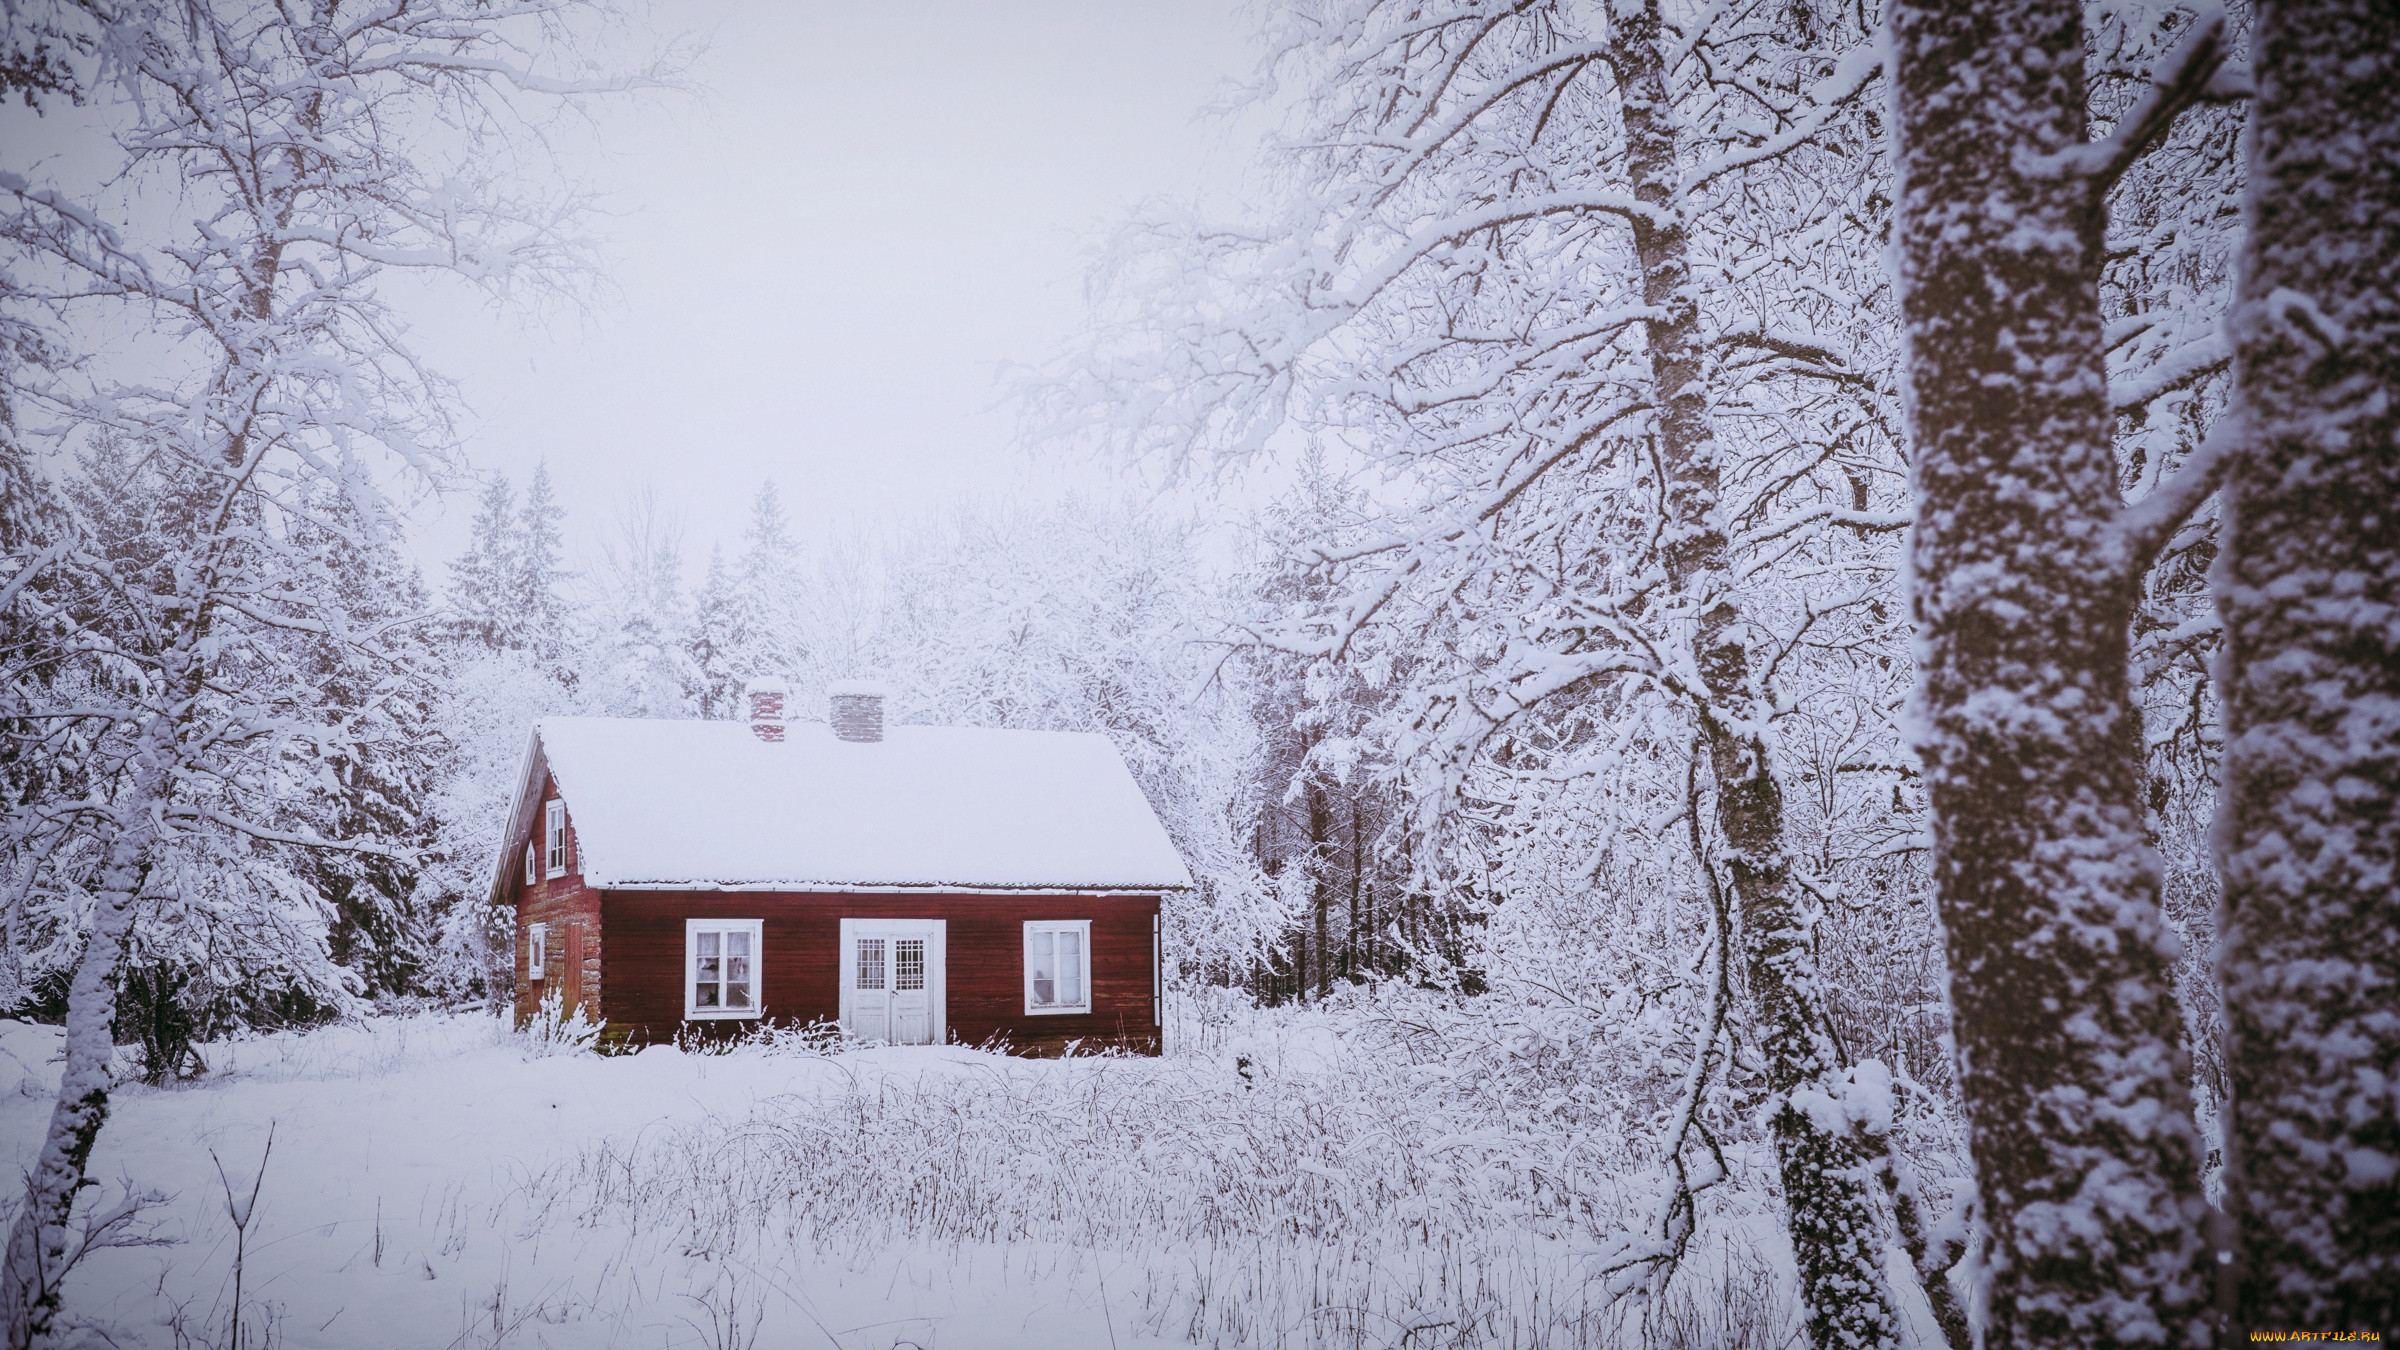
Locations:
(766, 698)
(857, 709)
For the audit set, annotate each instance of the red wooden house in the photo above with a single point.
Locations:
(918, 885)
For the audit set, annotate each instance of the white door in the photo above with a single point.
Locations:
(892, 980)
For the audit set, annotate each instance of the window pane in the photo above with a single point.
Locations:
(908, 963)
(870, 963)
(737, 970)
(708, 944)
(737, 990)
(1070, 968)
(704, 993)
(737, 944)
(1041, 963)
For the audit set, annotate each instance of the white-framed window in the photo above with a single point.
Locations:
(554, 838)
(537, 949)
(533, 867)
(1058, 966)
(722, 959)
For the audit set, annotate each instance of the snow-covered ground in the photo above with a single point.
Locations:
(439, 1181)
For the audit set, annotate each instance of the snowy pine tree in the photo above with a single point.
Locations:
(715, 643)
(540, 615)
(483, 580)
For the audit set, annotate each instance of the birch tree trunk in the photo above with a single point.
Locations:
(39, 1245)
(2308, 585)
(272, 400)
(2060, 967)
(1837, 1236)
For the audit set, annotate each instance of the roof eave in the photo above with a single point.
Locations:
(910, 888)
(518, 806)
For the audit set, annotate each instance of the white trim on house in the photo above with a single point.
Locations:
(874, 1022)
(735, 988)
(533, 866)
(1058, 963)
(554, 836)
(537, 945)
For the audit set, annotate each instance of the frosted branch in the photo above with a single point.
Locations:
(274, 836)
(2184, 78)
(2143, 528)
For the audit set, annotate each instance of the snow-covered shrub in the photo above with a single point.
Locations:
(816, 1040)
(556, 1029)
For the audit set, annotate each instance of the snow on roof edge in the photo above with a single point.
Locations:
(914, 888)
(1095, 809)
(502, 867)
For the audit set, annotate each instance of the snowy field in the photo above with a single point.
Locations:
(439, 1181)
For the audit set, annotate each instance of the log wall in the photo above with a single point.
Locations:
(570, 908)
(641, 970)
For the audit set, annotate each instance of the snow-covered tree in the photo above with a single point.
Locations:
(483, 579)
(747, 618)
(540, 612)
(508, 588)
(1085, 617)
(1583, 288)
(769, 590)
(635, 661)
(2308, 584)
(514, 656)
(230, 470)
(1331, 828)
(2027, 570)
(714, 644)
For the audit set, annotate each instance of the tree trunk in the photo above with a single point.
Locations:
(2061, 968)
(1835, 1232)
(2308, 585)
(1354, 946)
(1320, 881)
(38, 1241)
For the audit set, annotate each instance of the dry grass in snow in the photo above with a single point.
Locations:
(440, 1181)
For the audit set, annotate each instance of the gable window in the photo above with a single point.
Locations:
(533, 869)
(554, 838)
(537, 949)
(721, 961)
(1058, 955)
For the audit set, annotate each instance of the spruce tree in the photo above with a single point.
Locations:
(482, 578)
(537, 584)
(713, 641)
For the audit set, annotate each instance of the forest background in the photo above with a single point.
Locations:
(1540, 660)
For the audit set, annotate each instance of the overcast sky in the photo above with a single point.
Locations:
(820, 259)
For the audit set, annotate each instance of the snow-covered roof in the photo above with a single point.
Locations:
(697, 804)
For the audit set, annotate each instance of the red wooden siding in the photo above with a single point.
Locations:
(564, 903)
(641, 970)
